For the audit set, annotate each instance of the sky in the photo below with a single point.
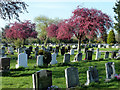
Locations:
(61, 8)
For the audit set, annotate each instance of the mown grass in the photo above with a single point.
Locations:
(22, 77)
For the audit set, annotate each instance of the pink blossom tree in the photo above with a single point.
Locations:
(83, 23)
(21, 30)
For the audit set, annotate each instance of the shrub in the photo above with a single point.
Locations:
(40, 52)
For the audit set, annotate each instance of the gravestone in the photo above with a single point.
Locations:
(72, 52)
(20, 50)
(63, 51)
(53, 61)
(22, 60)
(50, 48)
(36, 51)
(92, 75)
(4, 64)
(85, 50)
(107, 46)
(42, 79)
(72, 77)
(68, 48)
(89, 55)
(57, 49)
(106, 55)
(118, 56)
(99, 46)
(66, 58)
(40, 60)
(30, 48)
(78, 57)
(92, 49)
(113, 54)
(3, 51)
(110, 70)
(98, 54)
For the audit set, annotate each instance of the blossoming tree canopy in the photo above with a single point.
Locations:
(84, 23)
(21, 30)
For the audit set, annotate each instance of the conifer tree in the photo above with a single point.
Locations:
(117, 17)
(111, 37)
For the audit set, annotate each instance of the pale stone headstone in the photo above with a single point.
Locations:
(22, 60)
(42, 79)
(92, 75)
(117, 47)
(78, 57)
(99, 46)
(20, 50)
(110, 70)
(53, 61)
(107, 46)
(72, 52)
(106, 55)
(4, 64)
(98, 54)
(66, 58)
(72, 77)
(40, 60)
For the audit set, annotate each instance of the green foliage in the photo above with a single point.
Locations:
(111, 37)
(42, 22)
(40, 52)
(24, 75)
(18, 42)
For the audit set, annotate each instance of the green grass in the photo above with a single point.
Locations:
(22, 78)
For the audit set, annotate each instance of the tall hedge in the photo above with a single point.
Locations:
(111, 37)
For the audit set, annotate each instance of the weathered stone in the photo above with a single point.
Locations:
(42, 79)
(72, 77)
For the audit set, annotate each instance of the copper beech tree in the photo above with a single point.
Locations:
(21, 30)
(83, 23)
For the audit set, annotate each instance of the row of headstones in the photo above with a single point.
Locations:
(22, 58)
(43, 78)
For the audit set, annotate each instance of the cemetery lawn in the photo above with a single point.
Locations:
(22, 77)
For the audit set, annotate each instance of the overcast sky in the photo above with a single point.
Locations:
(62, 8)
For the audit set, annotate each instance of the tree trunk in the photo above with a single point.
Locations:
(23, 42)
(79, 48)
(119, 37)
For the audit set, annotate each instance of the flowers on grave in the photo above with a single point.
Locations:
(52, 87)
(117, 76)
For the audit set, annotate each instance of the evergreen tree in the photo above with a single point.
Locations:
(111, 37)
(117, 17)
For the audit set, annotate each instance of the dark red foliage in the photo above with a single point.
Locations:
(21, 30)
(83, 23)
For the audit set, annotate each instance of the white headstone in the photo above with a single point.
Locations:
(98, 54)
(22, 60)
(53, 61)
(40, 60)
(72, 52)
